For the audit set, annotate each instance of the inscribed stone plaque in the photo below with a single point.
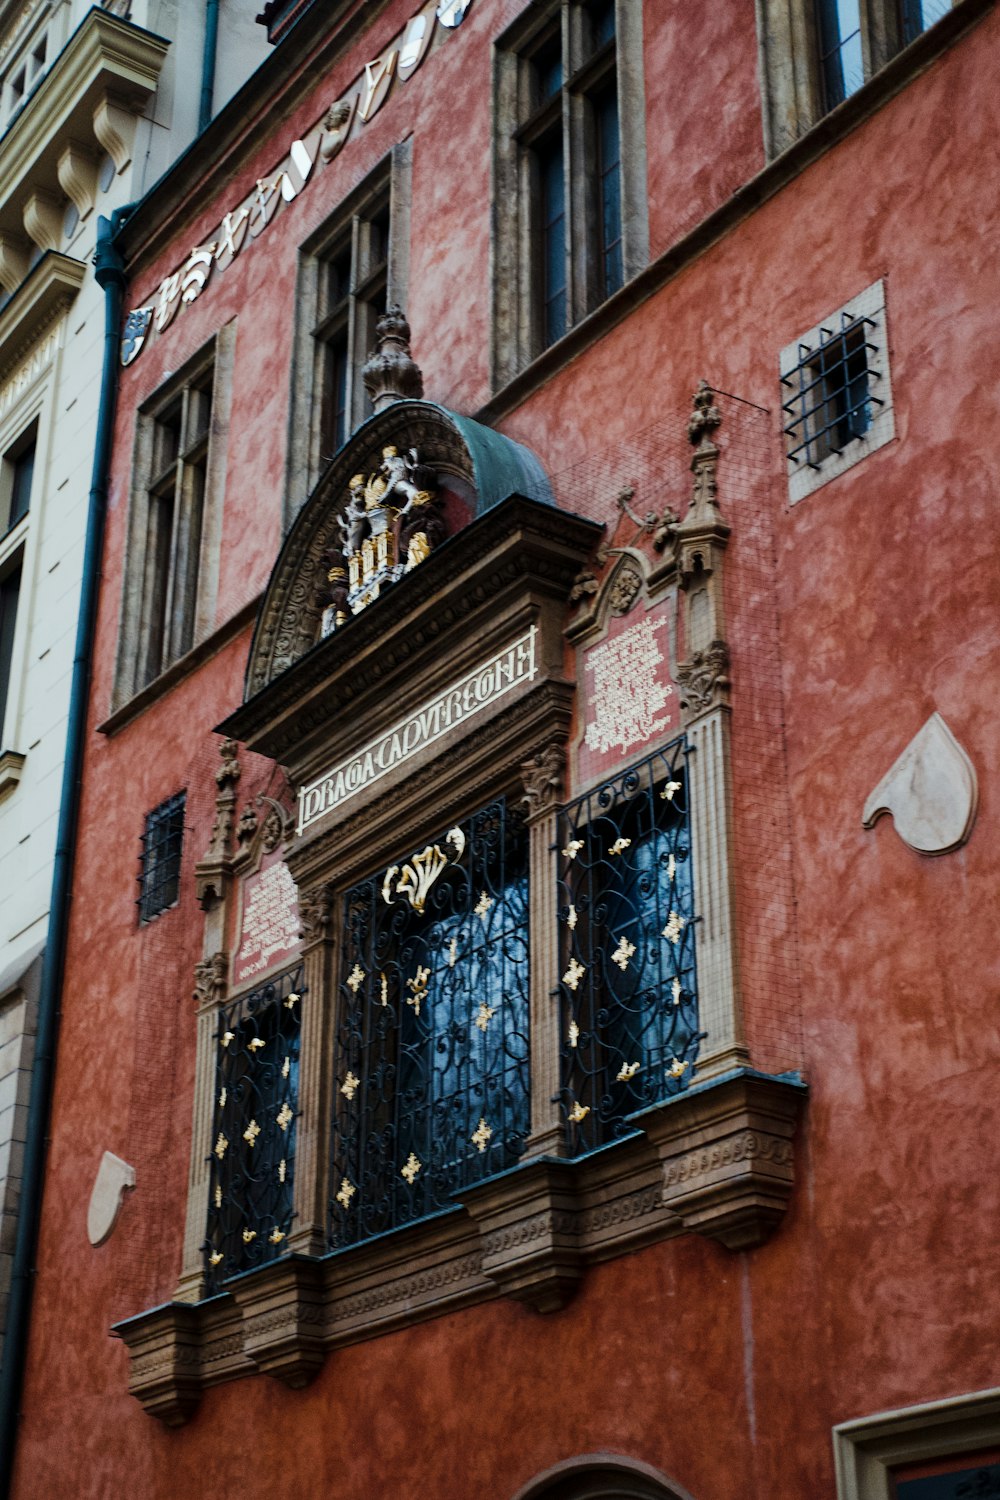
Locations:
(268, 930)
(628, 692)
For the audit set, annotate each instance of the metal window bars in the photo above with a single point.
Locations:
(431, 1082)
(628, 992)
(160, 858)
(832, 399)
(253, 1127)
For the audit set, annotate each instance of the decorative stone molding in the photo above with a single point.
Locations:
(931, 792)
(34, 311)
(726, 1154)
(716, 1160)
(77, 173)
(316, 913)
(390, 373)
(210, 976)
(543, 775)
(14, 253)
(213, 871)
(42, 217)
(114, 1179)
(11, 766)
(704, 679)
(114, 127)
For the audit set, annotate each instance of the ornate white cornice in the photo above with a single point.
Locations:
(106, 71)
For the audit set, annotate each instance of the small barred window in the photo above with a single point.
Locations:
(160, 861)
(836, 393)
(626, 921)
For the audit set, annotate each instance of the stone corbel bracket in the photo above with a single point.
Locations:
(164, 1370)
(727, 1156)
(283, 1328)
(527, 1223)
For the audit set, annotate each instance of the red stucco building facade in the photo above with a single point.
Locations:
(793, 1231)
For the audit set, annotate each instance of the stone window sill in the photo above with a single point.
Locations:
(716, 1160)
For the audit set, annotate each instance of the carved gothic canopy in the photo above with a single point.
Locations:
(410, 477)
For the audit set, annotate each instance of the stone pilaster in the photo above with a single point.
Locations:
(319, 933)
(209, 992)
(542, 776)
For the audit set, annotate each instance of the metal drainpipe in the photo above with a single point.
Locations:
(110, 274)
(208, 62)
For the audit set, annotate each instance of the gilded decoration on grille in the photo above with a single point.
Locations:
(282, 1170)
(350, 1085)
(483, 905)
(222, 1099)
(674, 928)
(573, 974)
(411, 1170)
(481, 1136)
(418, 988)
(256, 1044)
(345, 1193)
(227, 1037)
(391, 521)
(356, 978)
(292, 1001)
(221, 1146)
(276, 1236)
(573, 848)
(284, 1117)
(629, 1000)
(251, 1133)
(623, 953)
(485, 1015)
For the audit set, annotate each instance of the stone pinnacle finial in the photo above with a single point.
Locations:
(390, 373)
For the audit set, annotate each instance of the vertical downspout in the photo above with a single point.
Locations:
(208, 62)
(110, 274)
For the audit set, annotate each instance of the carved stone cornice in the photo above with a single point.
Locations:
(443, 608)
(716, 1160)
(543, 776)
(704, 680)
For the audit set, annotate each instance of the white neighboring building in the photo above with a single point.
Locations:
(94, 107)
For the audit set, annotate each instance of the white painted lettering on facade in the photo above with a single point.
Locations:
(477, 691)
(629, 697)
(270, 928)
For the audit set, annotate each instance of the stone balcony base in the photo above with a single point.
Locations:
(716, 1160)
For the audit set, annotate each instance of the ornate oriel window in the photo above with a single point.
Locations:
(256, 1105)
(431, 1064)
(626, 916)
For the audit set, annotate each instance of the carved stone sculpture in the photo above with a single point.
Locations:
(390, 373)
(704, 679)
(542, 776)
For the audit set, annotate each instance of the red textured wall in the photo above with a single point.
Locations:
(871, 968)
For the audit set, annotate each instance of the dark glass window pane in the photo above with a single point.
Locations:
(337, 416)
(20, 493)
(841, 63)
(553, 227)
(9, 588)
(432, 1050)
(980, 1483)
(919, 14)
(609, 192)
(549, 70)
(602, 20)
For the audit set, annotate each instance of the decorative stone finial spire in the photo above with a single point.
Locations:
(390, 373)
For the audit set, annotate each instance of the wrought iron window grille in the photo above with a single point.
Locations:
(628, 993)
(253, 1128)
(431, 1081)
(832, 401)
(160, 858)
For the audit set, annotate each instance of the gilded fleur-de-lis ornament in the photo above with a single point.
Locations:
(350, 1085)
(678, 1068)
(251, 1133)
(485, 1015)
(623, 953)
(481, 1136)
(579, 1112)
(674, 928)
(284, 1116)
(412, 1168)
(573, 974)
(345, 1192)
(627, 1071)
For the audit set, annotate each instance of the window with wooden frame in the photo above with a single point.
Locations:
(817, 53)
(349, 272)
(569, 159)
(17, 477)
(174, 520)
